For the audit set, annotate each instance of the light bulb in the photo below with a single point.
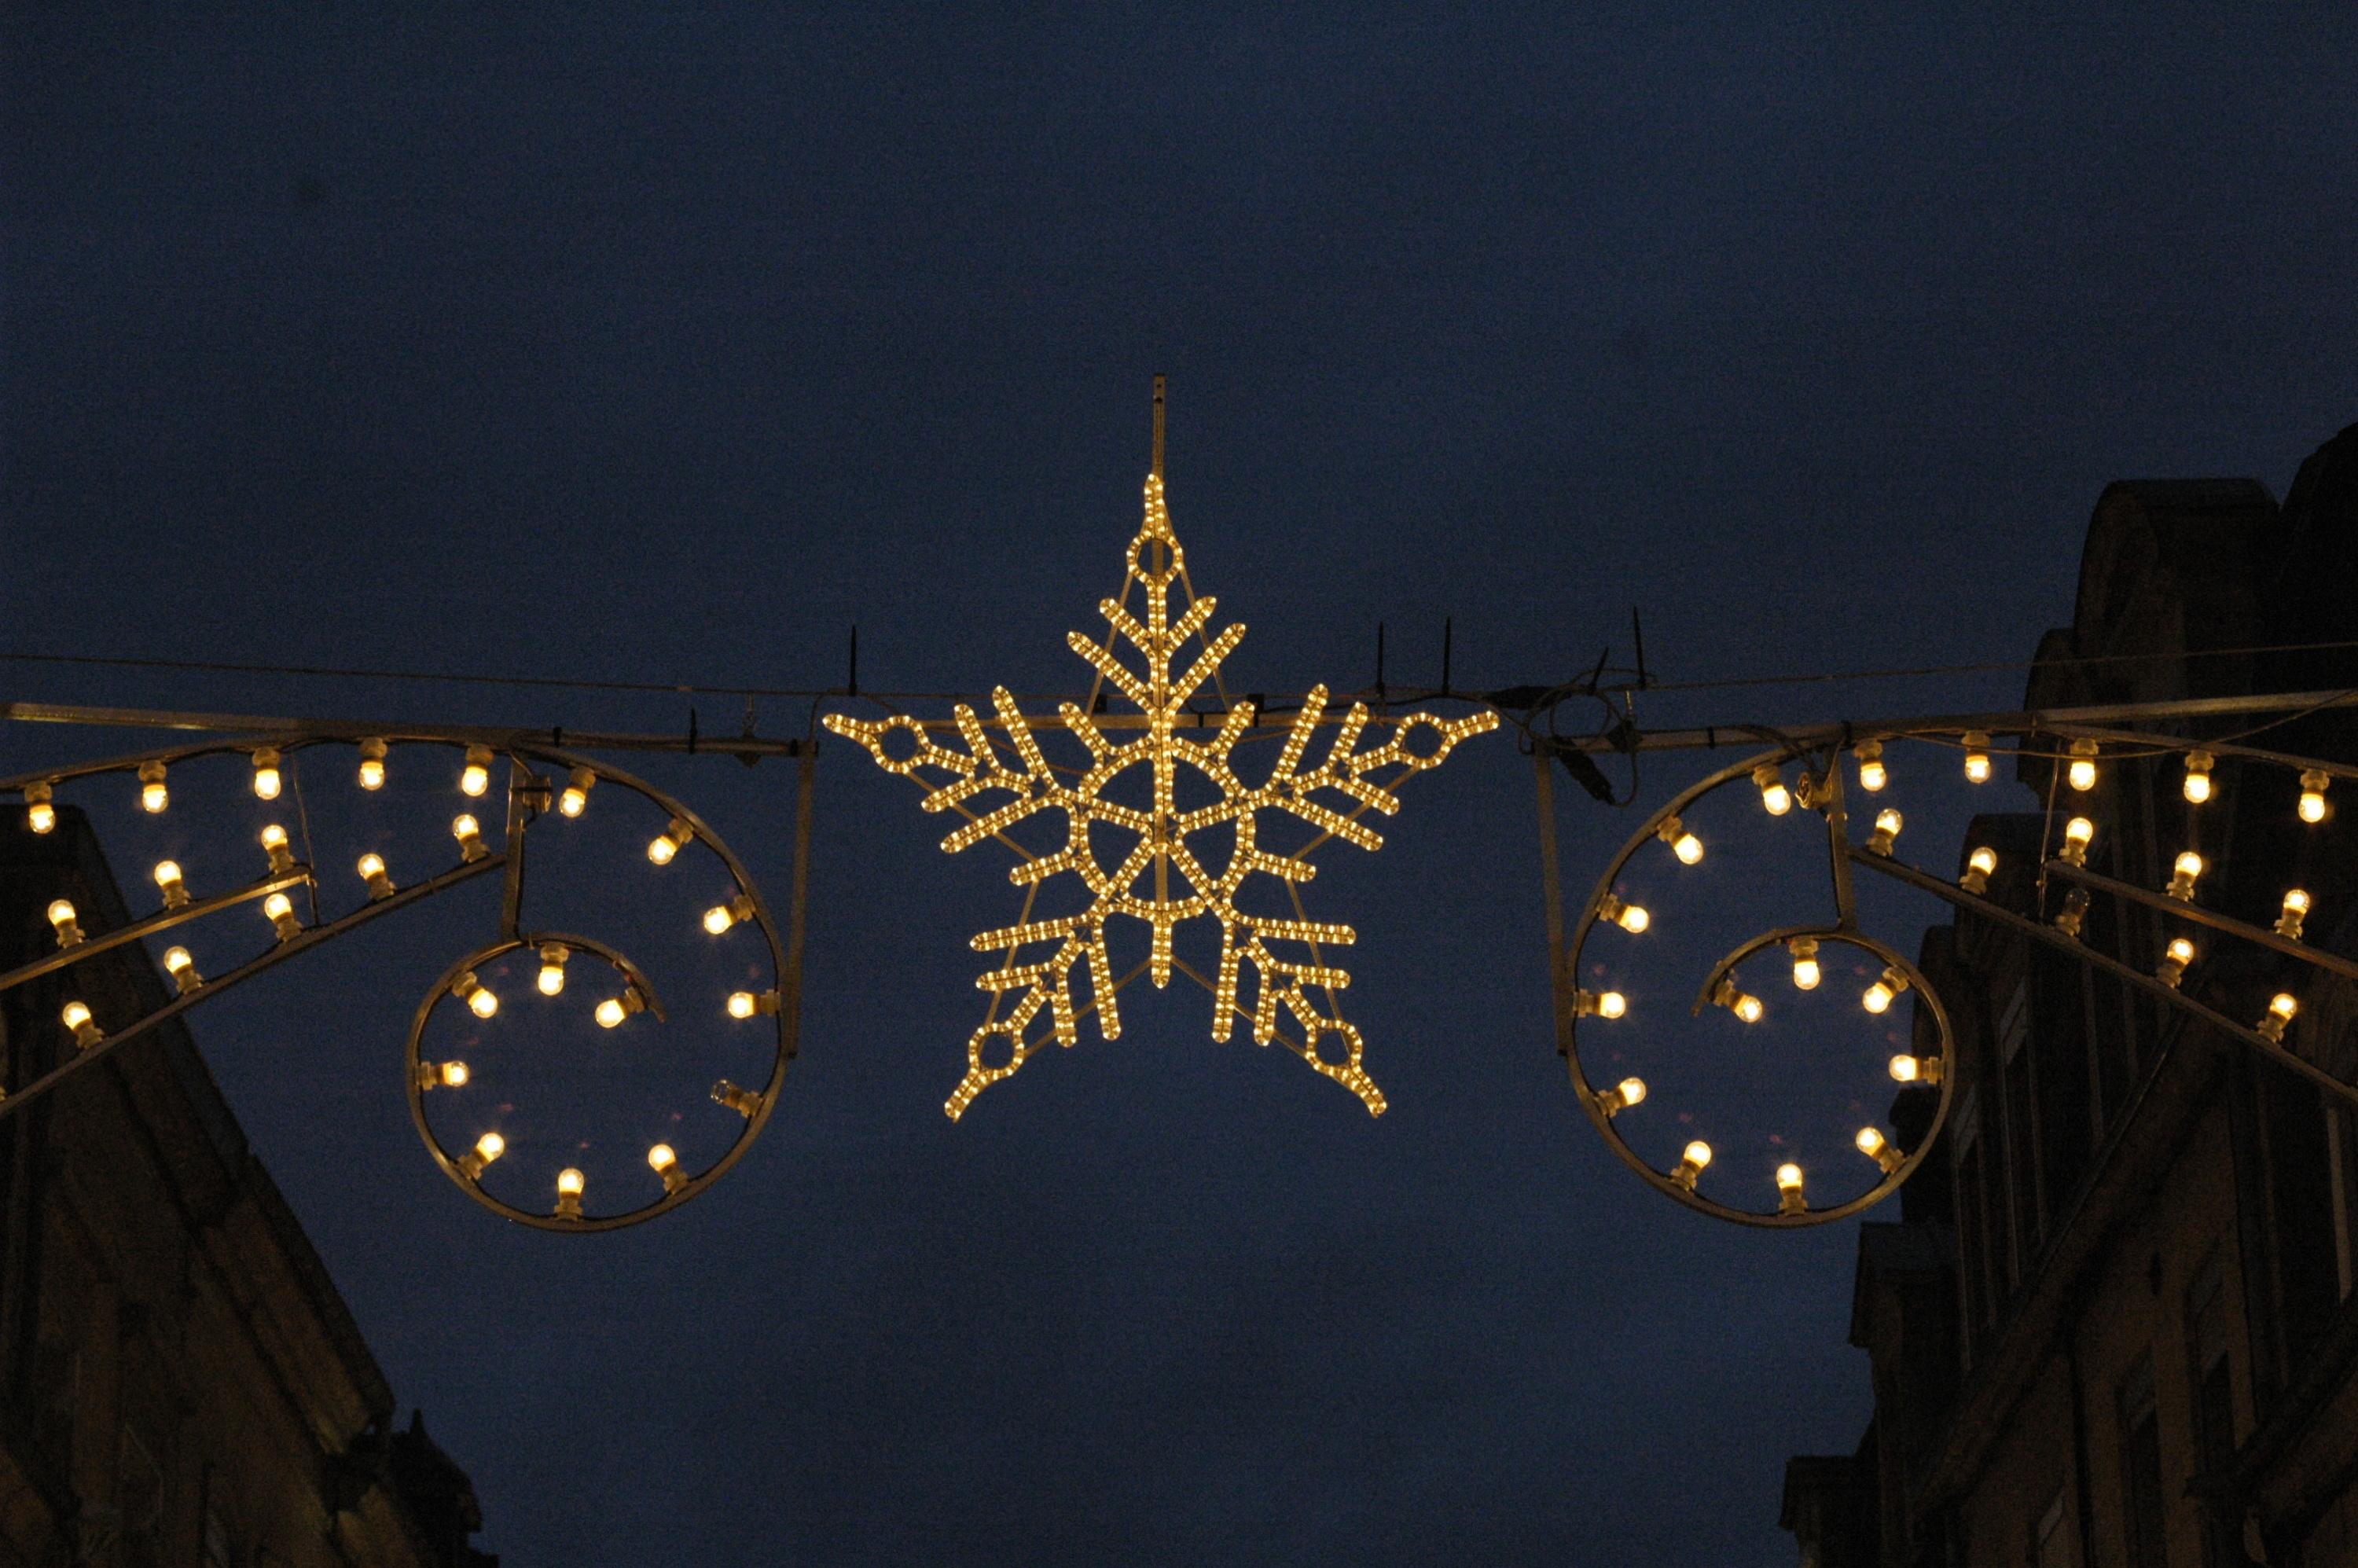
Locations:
(1630, 917)
(569, 1183)
(610, 1014)
(1907, 1069)
(2082, 774)
(1601, 1004)
(1775, 798)
(63, 921)
(1887, 824)
(183, 969)
(665, 1163)
(373, 871)
(2174, 959)
(167, 879)
(40, 813)
(1979, 867)
(1977, 762)
(274, 844)
(266, 773)
(2296, 909)
(442, 1074)
(1789, 1190)
(488, 1148)
(1733, 997)
(670, 841)
(744, 1102)
(1683, 844)
(1691, 1164)
(722, 916)
(745, 1004)
(475, 994)
(1871, 773)
(2077, 835)
(154, 796)
(576, 798)
(2313, 785)
(1878, 1148)
(372, 764)
(1806, 973)
(77, 1018)
(2197, 776)
(2074, 911)
(1621, 1096)
(2281, 1009)
(476, 776)
(1878, 997)
(2181, 882)
(552, 967)
(469, 834)
(280, 911)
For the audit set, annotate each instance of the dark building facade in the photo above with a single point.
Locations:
(2114, 1321)
(180, 1382)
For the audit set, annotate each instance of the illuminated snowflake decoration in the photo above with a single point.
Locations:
(1162, 880)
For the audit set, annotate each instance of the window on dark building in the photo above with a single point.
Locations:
(2211, 1385)
(2027, 1204)
(1980, 1303)
(2299, 1179)
(2050, 1542)
(2143, 1524)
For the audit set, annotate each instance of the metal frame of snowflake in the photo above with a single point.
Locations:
(1155, 564)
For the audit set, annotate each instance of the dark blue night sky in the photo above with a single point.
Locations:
(668, 345)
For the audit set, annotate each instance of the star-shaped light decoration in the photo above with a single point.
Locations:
(999, 780)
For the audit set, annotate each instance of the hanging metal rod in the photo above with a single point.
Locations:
(720, 744)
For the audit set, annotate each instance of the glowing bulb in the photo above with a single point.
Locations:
(1878, 997)
(373, 871)
(167, 879)
(1630, 917)
(2077, 833)
(274, 844)
(1729, 995)
(2313, 785)
(77, 1018)
(1775, 798)
(2197, 776)
(722, 916)
(280, 911)
(1683, 844)
(1979, 867)
(665, 1163)
(1789, 1190)
(670, 841)
(2181, 882)
(1887, 824)
(576, 798)
(2296, 909)
(1601, 1004)
(569, 1183)
(154, 796)
(1878, 1148)
(552, 967)
(476, 776)
(475, 994)
(2174, 959)
(1691, 1163)
(63, 921)
(1977, 762)
(442, 1074)
(266, 773)
(1621, 1096)
(610, 1014)
(745, 1004)
(372, 764)
(183, 969)
(1806, 973)
(2281, 1008)
(469, 834)
(1907, 1069)
(2082, 774)
(488, 1148)
(1871, 773)
(40, 813)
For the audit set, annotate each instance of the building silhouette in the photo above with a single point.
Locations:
(180, 1382)
(2114, 1322)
